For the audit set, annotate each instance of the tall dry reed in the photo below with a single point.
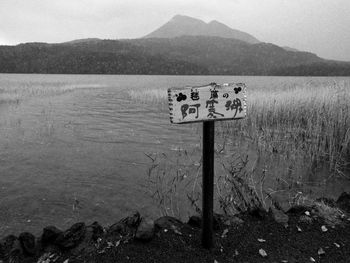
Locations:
(309, 119)
(17, 92)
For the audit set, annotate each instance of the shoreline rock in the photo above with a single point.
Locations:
(82, 238)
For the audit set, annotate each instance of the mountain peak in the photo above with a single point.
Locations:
(215, 22)
(182, 19)
(181, 25)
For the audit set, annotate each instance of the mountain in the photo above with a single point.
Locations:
(328, 68)
(181, 25)
(226, 56)
(185, 55)
(83, 40)
(92, 57)
(290, 49)
(183, 46)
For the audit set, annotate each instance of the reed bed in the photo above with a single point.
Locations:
(16, 92)
(153, 95)
(308, 120)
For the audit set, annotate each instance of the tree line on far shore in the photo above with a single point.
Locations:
(187, 55)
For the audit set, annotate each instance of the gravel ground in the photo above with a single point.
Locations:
(299, 242)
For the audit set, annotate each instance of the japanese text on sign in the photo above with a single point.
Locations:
(205, 103)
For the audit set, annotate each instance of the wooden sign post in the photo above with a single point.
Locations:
(207, 104)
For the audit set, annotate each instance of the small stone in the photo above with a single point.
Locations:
(307, 213)
(236, 252)
(16, 253)
(261, 240)
(324, 228)
(262, 252)
(72, 236)
(126, 226)
(233, 221)
(167, 222)
(27, 241)
(224, 233)
(176, 231)
(305, 219)
(321, 252)
(50, 234)
(97, 230)
(145, 231)
(343, 202)
(45, 258)
(279, 216)
(284, 261)
(6, 244)
(87, 244)
(337, 245)
(312, 259)
(133, 220)
(299, 229)
(110, 244)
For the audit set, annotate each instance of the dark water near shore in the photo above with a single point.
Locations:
(72, 147)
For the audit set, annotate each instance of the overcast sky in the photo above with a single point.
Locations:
(319, 26)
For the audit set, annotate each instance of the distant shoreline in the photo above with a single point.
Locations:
(185, 55)
(174, 75)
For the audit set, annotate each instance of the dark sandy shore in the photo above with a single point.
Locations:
(317, 233)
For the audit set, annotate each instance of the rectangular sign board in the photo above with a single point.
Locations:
(207, 103)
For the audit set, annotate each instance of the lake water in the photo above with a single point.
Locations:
(73, 147)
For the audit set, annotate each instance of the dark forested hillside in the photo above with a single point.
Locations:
(315, 69)
(104, 57)
(186, 55)
(226, 56)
